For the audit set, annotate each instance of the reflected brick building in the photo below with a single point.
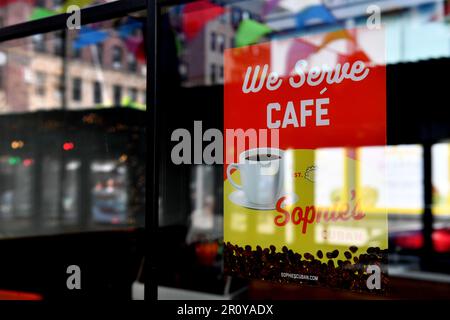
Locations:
(32, 69)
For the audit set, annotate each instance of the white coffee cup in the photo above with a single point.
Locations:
(262, 173)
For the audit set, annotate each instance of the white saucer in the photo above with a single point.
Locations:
(238, 197)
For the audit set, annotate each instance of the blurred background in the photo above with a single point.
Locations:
(415, 165)
(72, 153)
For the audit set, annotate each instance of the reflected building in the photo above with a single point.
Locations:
(201, 58)
(35, 73)
(407, 37)
(63, 164)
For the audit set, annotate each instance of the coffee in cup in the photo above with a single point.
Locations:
(262, 173)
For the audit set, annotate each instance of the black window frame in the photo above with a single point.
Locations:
(117, 95)
(97, 92)
(58, 43)
(100, 52)
(77, 88)
(213, 41)
(41, 79)
(39, 43)
(132, 63)
(213, 73)
(117, 57)
(133, 93)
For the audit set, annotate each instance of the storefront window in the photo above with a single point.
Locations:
(72, 168)
(392, 178)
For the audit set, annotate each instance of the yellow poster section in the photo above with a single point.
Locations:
(441, 200)
(244, 226)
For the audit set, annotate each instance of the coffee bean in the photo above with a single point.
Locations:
(267, 264)
(308, 256)
(370, 250)
(319, 254)
(335, 253)
(353, 249)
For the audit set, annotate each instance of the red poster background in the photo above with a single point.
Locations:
(357, 110)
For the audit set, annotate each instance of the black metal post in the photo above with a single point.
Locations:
(89, 15)
(37, 184)
(427, 220)
(64, 100)
(152, 212)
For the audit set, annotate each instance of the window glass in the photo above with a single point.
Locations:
(40, 83)
(39, 42)
(441, 193)
(117, 57)
(117, 94)
(76, 89)
(97, 92)
(66, 163)
(391, 178)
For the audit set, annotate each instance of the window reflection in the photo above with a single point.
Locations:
(69, 162)
(389, 179)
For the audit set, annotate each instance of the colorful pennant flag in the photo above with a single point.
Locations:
(269, 6)
(299, 50)
(358, 55)
(89, 36)
(250, 31)
(129, 27)
(40, 13)
(314, 13)
(197, 14)
(133, 43)
(334, 36)
(80, 3)
(140, 53)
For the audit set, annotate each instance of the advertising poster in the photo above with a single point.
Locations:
(441, 179)
(295, 112)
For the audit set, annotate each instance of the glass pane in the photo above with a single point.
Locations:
(441, 197)
(72, 121)
(197, 38)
